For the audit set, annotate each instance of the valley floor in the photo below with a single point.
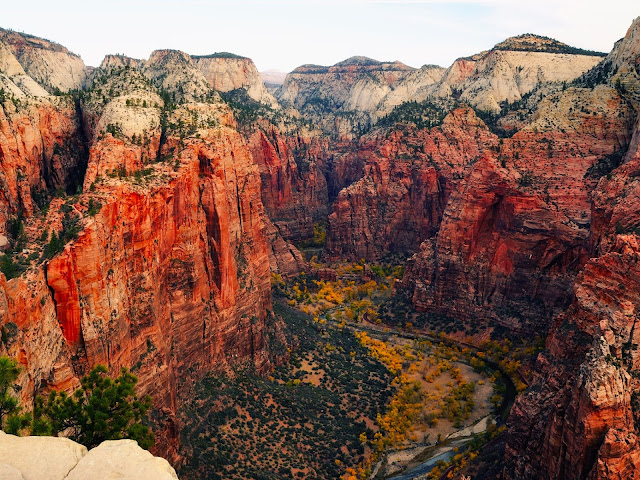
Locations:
(358, 399)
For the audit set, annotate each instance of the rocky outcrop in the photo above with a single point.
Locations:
(13, 79)
(358, 83)
(510, 70)
(118, 61)
(192, 78)
(226, 72)
(175, 72)
(416, 86)
(284, 258)
(53, 458)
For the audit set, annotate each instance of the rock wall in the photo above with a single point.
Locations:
(408, 176)
(294, 186)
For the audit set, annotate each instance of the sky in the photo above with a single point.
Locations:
(283, 34)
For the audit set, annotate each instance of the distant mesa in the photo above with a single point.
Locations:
(220, 55)
(356, 63)
(530, 42)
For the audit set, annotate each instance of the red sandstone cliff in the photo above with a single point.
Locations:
(294, 187)
(169, 274)
(407, 178)
(40, 150)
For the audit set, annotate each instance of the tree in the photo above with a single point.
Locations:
(9, 371)
(53, 247)
(101, 409)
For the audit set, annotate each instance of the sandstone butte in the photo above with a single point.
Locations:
(528, 220)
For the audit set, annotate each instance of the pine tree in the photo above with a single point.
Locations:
(9, 371)
(101, 409)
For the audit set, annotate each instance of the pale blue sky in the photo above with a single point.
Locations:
(282, 34)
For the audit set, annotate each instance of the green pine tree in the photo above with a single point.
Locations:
(9, 371)
(101, 409)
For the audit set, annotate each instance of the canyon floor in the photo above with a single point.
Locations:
(358, 398)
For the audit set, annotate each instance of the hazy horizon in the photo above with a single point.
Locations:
(283, 34)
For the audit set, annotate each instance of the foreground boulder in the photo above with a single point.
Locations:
(53, 458)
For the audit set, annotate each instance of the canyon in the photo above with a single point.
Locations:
(146, 204)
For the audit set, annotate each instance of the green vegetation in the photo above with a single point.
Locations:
(94, 207)
(101, 409)
(605, 165)
(12, 263)
(4, 96)
(433, 392)
(320, 105)
(9, 371)
(596, 76)
(319, 238)
(522, 107)
(245, 109)
(303, 421)
(422, 114)
(69, 232)
(10, 267)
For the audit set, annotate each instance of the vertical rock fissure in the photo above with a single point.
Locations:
(83, 162)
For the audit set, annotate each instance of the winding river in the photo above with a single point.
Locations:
(444, 452)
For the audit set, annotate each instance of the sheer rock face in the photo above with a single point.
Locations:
(169, 275)
(408, 178)
(579, 419)
(576, 421)
(226, 72)
(294, 187)
(41, 149)
(284, 258)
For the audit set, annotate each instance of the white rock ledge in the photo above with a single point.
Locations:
(53, 458)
